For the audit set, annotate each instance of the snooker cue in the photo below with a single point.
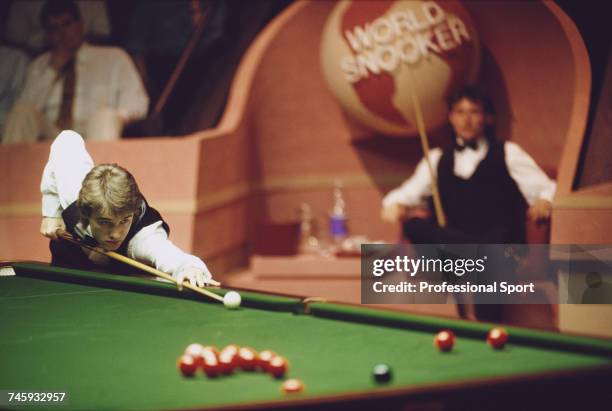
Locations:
(137, 264)
(440, 216)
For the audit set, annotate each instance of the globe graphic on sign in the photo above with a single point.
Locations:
(385, 59)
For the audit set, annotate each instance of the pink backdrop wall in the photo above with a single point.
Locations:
(283, 139)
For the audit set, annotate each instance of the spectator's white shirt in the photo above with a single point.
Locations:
(105, 77)
(532, 182)
(69, 162)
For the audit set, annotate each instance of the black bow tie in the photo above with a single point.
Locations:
(471, 144)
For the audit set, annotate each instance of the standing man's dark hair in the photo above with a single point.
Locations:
(475, 95)
(57, 8)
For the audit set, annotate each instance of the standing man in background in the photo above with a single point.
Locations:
(487, 189)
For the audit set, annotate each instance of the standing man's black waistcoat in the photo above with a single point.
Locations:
(70, 255)
(488, 205)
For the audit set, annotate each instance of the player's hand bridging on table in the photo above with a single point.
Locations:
(50, 225)
(196, 276)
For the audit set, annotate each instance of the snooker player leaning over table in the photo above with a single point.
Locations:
(102, 206)
(485, 185)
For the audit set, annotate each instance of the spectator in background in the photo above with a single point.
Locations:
(13, 64)
(90, 89)
(23, 28)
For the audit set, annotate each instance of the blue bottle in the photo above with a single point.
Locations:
(338, 228)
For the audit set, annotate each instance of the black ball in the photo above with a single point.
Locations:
(382, 373)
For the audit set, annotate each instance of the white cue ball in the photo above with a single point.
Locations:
(232, 300)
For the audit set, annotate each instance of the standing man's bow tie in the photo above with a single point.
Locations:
(461, 145)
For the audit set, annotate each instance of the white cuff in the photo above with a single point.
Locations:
(51, 206)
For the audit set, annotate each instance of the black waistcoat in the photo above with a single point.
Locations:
(66, 254)
(488, 205)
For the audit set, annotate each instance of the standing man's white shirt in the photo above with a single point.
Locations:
(106, 81)
(69, 162)
(532, 182)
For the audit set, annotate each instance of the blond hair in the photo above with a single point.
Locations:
(108, 189)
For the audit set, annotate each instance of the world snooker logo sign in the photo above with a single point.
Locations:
(404, 36)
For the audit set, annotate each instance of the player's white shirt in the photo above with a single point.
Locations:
(532, 182)
(69, 162)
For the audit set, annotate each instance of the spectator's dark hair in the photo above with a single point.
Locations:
(57, 8)
(476, 95)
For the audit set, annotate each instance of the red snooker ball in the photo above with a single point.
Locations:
(247, 359)
(195, 351)
(264, 359)
(210, 350)
(444, 340)
(230, 354)
(187, 365)
(210, 364)
(232, 348)
(227, 362)
(497, 338)
(278, 366)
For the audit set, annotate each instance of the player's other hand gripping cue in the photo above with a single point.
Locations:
(50, 225)
(196, 276)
